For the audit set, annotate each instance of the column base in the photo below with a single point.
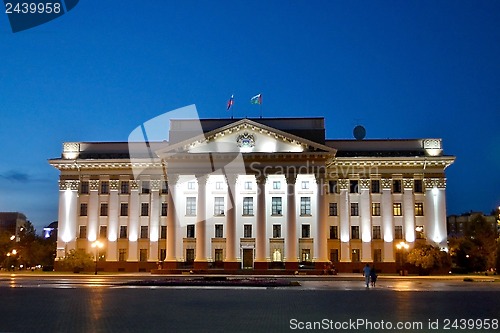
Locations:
(231, 265)
(291, 265)
(200, 265)
(260, 265)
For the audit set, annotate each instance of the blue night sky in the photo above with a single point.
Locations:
(403, 69)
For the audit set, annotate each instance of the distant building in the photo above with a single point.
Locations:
(50, 230)
(261, 194)
(11, 222)
(458, 225)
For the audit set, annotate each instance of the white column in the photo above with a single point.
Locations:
(93, 211)
(435, 211)
(200, 229)
(260, 240)
(68, 200)
(133, 222)
(171, 219)
(291, 239)
(409, 210)
(344, 212)
(320, 239)
(154, 220)
(231, 249)
(365, 219)
(113, 213)
(387, 220)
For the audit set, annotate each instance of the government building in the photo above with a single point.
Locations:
(264, 195)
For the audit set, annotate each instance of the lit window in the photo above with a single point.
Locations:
(419, 232)
(376, 209)
(355, 255)
(396, 207)
(419, 209)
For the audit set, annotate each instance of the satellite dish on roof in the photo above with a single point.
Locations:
(359, 132)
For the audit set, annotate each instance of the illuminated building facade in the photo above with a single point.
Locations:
(259, 194)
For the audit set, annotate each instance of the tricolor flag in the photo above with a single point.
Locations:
(230, 102)
(257, 99)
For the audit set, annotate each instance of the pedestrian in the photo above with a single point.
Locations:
(373, 276)
(366, 274)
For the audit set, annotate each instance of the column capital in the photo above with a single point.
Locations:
(364, 183)
(114, 184)
(134, 185)
(408, 183)
(430, 183)
(261, 179)
(202, 178)
(230, 178)
(343, 184)
(386, 183)
(155, 184)
(291, 178)
(94, 185)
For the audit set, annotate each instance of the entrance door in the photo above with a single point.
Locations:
(247, 258)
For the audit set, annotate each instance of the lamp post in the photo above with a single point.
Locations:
(402, 246)
(97, 245)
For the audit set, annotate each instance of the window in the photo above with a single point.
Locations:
(277, 257)
(306, 231)
(305, 185)
(353, 186)
(396, 186)
(376, 232)
(419, 232)
(189, 255)
(123, 231)
(333, 209)
(376, 209)
(163, 232)
(396, 208)
(123, 209)
(248, 185)
(306, 255)
(219, 206)
(190, 231)
(104, 209)
(103, 231)
(144, 231)
(144, 209)
(398, 232)
(334, 255)
(219, 231)
(104, 187)
(84, 187)
(164, 209)
(164, 187)
(354, 209)
(122, 254)
(332, 186)
(305, 206)
(145, 187)
(219, 255)
(143, 255)
(355, 232)
(276, 231)
(276, 185)
(191, 185)
(419, 209)
(219, 185)
(248, 206)
(377, 255)
(355, 255)
(191, 206)
(124, 187)
(334, 234)
(419, 188)
(276, 206)
(375, 188)
(83, 232)
(247, 231)
(83, 209)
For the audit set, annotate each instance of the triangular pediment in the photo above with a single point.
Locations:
(246, 136)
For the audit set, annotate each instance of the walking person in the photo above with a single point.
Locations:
(366, 274)
(373, 276)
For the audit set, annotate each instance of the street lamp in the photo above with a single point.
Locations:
(97, 245)
(402, 246)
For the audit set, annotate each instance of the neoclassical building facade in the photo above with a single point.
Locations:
(266, 194)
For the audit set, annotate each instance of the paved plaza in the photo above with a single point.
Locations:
(102, 304)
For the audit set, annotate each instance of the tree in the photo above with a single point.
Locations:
(427, 257)
(76, 261)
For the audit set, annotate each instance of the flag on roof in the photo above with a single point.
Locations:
(230, 102)
(257, 99)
